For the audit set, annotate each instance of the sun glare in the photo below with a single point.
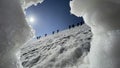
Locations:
(31, 20)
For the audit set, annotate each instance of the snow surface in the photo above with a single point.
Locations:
(103, 16)
(66, 49)
(14, 32)
(27, 3)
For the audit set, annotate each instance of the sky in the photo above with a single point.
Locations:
(50, 16)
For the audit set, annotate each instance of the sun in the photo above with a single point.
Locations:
(32, 20)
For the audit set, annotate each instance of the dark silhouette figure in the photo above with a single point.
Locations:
(37, 37)
(73, 26)
(69, 26)
(57, 31)
(78, 24)
(82, 22)
(45, 35)
(53, 32)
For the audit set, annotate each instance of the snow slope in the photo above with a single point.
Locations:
(66, 49)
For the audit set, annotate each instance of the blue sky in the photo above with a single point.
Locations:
(50, 16)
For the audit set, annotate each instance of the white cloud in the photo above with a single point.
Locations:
(104, 19)
(28, 3)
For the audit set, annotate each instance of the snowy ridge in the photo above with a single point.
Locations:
(66, 49)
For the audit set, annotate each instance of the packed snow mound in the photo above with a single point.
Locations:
(104, 19)
(14, 32)
(101, 15)
(66, 49)
(27, 3)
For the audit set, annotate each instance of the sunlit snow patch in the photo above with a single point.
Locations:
(66, 49)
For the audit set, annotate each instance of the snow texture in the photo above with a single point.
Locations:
(14, 32)
(66, 49)
(27, 3)
(104, 19)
